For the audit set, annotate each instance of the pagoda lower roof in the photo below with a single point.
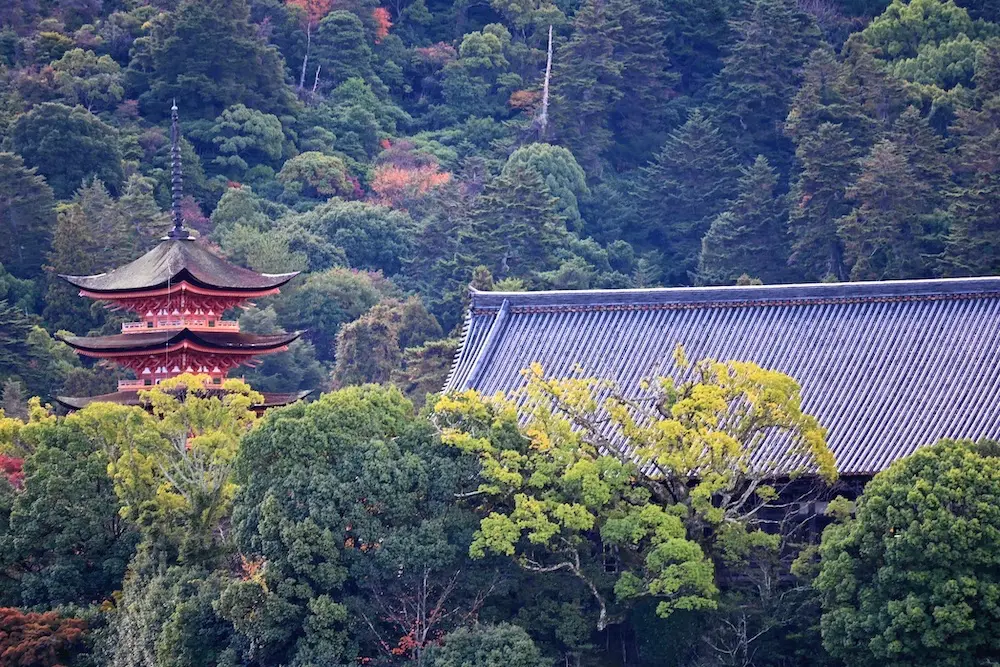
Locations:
(271, 400)
(178, 260)
(156, 341)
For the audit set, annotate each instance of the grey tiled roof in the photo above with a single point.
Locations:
(885, 366)
(174, 260)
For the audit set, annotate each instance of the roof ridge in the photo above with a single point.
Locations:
(750, 295)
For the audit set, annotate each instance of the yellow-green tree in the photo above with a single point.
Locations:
(668, 484)
(172, 466)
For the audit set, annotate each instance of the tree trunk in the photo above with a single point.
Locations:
(305, 60)
(543, 117)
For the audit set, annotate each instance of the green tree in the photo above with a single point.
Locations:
(424, 369)
(479, 81)
(760, 76)
(561, 173)
(64, 541)
(341, 50)
(488, 646)
(687, 184)
(246, 137)
(292, 609)
(27, 217)
(910, 579)
(516, 226)
(933, 42)
(828, 165)
(172, 468)
(326, 301)
(92, 81)
(612, 81)
(313, 175)
(242, 206)
(828, 94)
(95, 233)
(14, 329)
(974, 234)
(208, 54)
(357, 532)
(68, 146)
(165, 616)
(370, 349)
(295, 369)
(563, 489)
(749, 237)
(926, 154)
(374, 237)
(883, 232)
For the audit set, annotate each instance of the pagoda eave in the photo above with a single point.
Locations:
(229, 344)
(176, 288)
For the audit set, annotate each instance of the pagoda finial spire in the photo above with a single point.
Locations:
(176, 179)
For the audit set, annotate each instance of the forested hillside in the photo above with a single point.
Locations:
(396, 154)
(389, 152)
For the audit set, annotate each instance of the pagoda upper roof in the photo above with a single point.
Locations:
(152, 341)
(132, 397)
(177, 260)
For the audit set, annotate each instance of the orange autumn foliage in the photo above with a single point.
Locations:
(314, 9)
(29, 639)
(396, 186)
(382, 23)
(524, 99)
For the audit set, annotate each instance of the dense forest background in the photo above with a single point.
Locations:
(396, 154)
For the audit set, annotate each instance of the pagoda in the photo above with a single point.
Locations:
(180, 291)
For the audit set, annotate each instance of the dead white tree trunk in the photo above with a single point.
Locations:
(543, 117)
(305, 60)
(316, 80)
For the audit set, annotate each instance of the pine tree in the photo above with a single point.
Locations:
(828, 95)
(93, 234)
(27, 217)
(516, 226)
(827, 168)
(208, 54)
(686, 185)
(760, 76)
(14, 329)
(143, 214)
(882, 234)
(611, 79)
(750, 236)
(973, 244)
(925, 153)
(881, 96)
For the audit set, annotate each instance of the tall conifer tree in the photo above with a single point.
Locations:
(760, 76)
(882, 234)
(516, 226)
(750, 236)
(611, 79)
(827, 168)
(686, 185)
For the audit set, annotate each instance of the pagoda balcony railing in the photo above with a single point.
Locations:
(126, 385)
(193, 324)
